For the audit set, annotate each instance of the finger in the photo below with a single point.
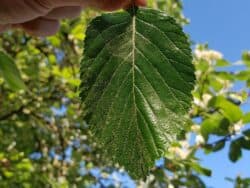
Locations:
(64, 3)
(140, 2)
(18, 11)
(64, 12)
(101, 4)
(41, 27)
(135, 2)
(110, 5)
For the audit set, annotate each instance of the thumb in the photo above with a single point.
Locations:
(19, 11)
(108, 5)
(63, 3)
(140, 2)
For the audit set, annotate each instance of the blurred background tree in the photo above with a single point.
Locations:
(46, 143)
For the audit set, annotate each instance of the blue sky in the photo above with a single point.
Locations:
(224, 25)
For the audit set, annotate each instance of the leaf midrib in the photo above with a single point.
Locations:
(133, 56)
(133, 70)
(135, 108)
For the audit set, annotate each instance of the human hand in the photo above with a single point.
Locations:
(41, 17)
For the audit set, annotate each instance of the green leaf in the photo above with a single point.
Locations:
(246, 58)
(10, 72)
(137, 77)
(248, 83)
(246, 118)
(247, 133)
(195, 181)
(223, 75)
(216, 124)
(243, 75)
(245, 143)
(230, 110)
(222, 63)
(201, 170)
(219, 145)
(235, 152)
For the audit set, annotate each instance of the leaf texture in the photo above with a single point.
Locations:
(137, 77)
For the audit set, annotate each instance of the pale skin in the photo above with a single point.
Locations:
(42, 17)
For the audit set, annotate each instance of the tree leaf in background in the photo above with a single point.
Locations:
(246, 118)
(137, 77)
(219, 145)
(216, 124)
(246, 58)
(230, 110)
(222, 63)
(235, 152)
(245, 143)
(200, 169)
(10, 72)
(246, 133)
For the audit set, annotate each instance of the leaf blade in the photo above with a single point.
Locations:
(129, 90)
(10, 72)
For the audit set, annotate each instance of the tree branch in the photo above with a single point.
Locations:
(10, 114)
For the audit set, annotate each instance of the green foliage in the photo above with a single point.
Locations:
(215, 124)
(33, 121)
(28, 119)
(235, 150)
(10, 72)
(137, 77)
(239, 182)
(230, 110)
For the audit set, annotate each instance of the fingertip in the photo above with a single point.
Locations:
(41, 27)
(110, 5)
(141, 2)
(64, 12)
(136, 3)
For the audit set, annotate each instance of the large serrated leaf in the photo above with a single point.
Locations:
(137, 76)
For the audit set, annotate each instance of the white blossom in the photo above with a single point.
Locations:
(208, 55)
(199, 140)
(237, 127)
